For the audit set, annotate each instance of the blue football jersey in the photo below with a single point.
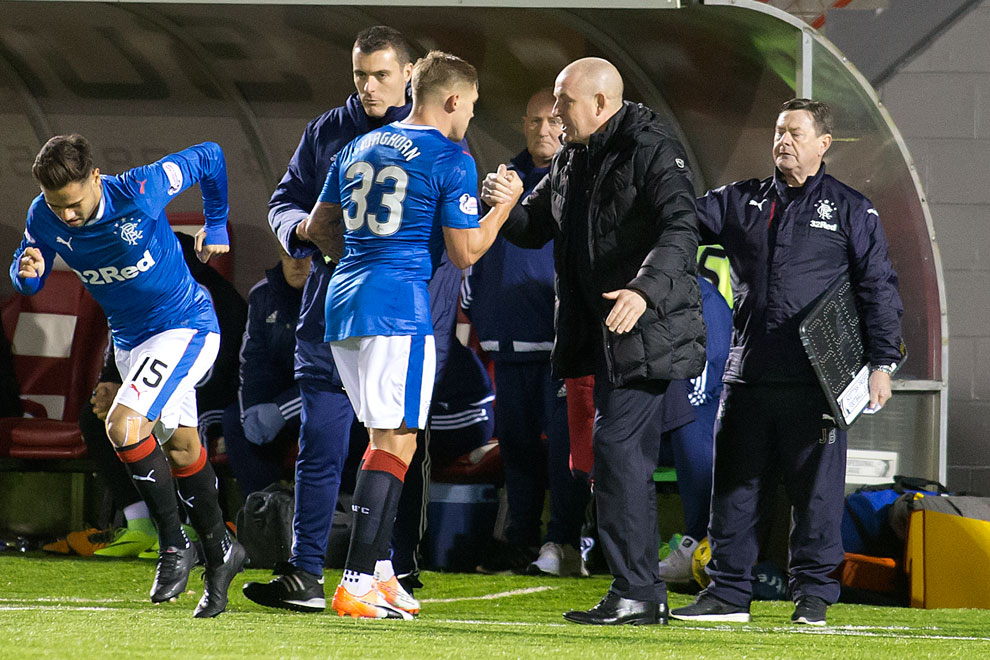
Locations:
(397, 186)
(127, 255)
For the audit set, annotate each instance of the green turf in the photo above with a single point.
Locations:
(88, 608)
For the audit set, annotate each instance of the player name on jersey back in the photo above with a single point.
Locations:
(399, 141)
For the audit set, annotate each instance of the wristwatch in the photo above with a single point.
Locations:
(888, 369)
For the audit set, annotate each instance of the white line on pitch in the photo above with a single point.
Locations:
(502, 594)
(49, 608)
(838, 631)
(56, 601)
(501, 623)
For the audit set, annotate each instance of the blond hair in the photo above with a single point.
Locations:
(440, 72)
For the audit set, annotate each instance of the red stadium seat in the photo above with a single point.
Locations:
(190, 222)
(58, 338)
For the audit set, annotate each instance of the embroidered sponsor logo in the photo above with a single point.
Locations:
(757, 204)
(821, 224)
(272, 318)
(468, 204)
(174, 175)
(825, 209)
(66, 243)
(109, 274)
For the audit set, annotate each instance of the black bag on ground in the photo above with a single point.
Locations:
(264, 526)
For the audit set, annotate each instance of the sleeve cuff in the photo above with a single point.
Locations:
(217, 235)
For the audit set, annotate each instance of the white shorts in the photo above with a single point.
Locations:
(388, 379)
(160, 375)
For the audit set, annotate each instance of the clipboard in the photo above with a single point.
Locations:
(832, 336)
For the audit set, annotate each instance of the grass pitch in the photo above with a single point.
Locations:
(89, 608)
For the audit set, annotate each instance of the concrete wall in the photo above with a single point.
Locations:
(940, 101)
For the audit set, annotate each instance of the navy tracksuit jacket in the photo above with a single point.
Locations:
(786, 246)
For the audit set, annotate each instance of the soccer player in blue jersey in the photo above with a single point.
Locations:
(112, 231)
(399, 195)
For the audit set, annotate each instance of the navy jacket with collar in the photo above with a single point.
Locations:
(509, 295)
(784, 257)
(292, 201)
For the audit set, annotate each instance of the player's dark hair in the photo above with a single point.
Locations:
(439, 71)
(63, 160)
(820, 112)
(380, 37)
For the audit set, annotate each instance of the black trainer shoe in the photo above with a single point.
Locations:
(216, 582)
(172, 572)
(502, 557)
(410, 582)
(710, 608)
(292, 589)
(810, 610)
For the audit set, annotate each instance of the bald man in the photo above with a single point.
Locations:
(619, 205)
(509, 297)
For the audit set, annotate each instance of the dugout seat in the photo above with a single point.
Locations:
(190, 222)
(58, 338)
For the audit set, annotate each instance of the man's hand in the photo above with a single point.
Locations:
(301, 232)
(32, 264)
(325, 228)
(879, 389)
(204, 251)
(629, 306)
(501, 187)
(102, 399)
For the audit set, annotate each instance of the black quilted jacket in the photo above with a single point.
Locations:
(634, 208)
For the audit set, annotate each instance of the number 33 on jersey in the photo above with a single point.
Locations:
(397, 187)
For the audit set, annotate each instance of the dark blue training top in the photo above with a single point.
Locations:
(509, 294)
(784, 256)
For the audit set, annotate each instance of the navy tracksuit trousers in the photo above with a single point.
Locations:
(768, 434)
(324, 440)
(690, 452)
(529, 402)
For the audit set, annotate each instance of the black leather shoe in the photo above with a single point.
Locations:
(613, 610)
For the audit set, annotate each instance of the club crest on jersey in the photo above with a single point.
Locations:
(825, 209)
(468, 204)
(129, 233)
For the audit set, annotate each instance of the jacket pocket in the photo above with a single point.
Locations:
(627, 352)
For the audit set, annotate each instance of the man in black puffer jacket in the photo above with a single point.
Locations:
(618, 202)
